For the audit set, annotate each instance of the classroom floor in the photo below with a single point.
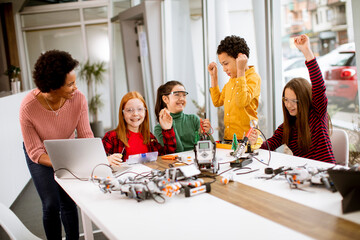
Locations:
(28, 209)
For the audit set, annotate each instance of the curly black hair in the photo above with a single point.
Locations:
(51, 68)
(233, 45)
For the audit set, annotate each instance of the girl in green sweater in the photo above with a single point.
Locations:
(171, 98)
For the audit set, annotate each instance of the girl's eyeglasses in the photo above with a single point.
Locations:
(290, 101)
(179, 94)
(132, 110)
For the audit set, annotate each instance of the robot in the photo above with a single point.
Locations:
(186, 177)
(205, 151)
(299, 175)
(156, 184)
(315, 176)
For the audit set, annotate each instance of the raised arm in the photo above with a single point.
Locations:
(247, 86)
(165, 119)
(212, 68)
(319, 99)
(302, 42)
(217, 97)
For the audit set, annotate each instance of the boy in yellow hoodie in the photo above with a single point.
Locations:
(240, 95)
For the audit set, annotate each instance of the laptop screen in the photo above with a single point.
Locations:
(79, 158)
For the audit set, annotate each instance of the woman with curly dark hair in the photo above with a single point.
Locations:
(240, 95)
(54, 110)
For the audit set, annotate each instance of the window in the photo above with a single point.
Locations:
(329, 15)
(225, 18)
(50, 18)
(183, 38)
(332, 41)
(82, 31)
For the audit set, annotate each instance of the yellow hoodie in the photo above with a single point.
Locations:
(240, 97)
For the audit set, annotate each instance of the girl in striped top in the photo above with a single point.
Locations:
(305, 129)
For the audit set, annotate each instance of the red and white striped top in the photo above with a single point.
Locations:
(39, 124)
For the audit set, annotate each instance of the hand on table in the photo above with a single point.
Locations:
(115, 159)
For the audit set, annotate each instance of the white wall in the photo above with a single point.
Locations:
(14, 174)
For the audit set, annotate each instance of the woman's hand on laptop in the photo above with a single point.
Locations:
(115, 159)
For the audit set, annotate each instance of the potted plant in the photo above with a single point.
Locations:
(92, 73)
(14, 72)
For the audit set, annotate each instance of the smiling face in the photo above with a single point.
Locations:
(69, 87)
(290, 102)
(229, 64)
(176, 102)
(134, 114)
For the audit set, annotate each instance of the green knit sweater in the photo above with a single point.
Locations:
(186, 126)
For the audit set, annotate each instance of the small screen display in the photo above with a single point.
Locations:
(204, 145)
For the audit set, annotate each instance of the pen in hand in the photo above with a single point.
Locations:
(116, 158)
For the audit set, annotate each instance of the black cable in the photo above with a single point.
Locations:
(278, 171)
(81, 179)
(207, 176)
(152, 195)
(142, 176)
(149, 191)
(259, 160)
(224, 163)
(132, 182)
(125, 172)
(100, 164)
(267, 144)
(247, 172)
(239, 168)
(225, 171)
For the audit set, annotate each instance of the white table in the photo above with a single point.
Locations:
(203, 216)
(317, 197)
(199, 217)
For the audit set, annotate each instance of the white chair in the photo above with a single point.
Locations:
(13, 226)
(340, 144)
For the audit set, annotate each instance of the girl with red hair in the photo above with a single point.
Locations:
(132, 135)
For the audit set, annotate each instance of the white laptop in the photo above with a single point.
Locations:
(82, 156)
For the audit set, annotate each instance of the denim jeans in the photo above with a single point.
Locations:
(56, 203)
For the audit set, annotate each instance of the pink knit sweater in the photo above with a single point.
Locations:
(39, 124)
